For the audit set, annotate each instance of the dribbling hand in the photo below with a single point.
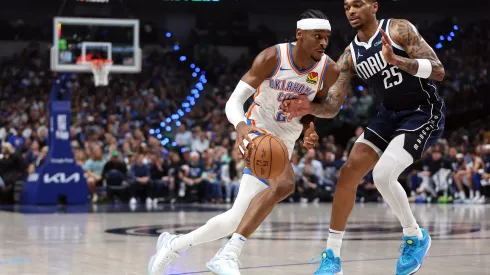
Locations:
(311, 137)
(243, 130)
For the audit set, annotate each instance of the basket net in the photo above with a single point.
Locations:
(101, 69)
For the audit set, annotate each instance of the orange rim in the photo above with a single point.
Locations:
(98, 63)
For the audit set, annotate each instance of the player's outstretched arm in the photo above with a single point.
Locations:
(423, 61)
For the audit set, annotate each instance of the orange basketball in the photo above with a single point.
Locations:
(267, 158)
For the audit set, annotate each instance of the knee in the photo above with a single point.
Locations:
(284, 187)
(91, 182)
(351, 169)
(387, 169)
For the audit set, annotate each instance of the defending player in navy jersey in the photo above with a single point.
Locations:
(399, 66)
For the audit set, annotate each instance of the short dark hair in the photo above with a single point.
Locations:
(310, 14)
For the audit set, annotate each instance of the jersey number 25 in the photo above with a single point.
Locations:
(389, 75)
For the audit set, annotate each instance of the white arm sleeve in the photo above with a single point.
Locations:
(234, 105)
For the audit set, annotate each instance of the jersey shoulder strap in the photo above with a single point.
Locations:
(280, 48)
(386, 28)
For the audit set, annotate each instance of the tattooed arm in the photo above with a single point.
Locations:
(328, 100)
(406, 35)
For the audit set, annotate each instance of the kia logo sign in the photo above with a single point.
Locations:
(61, 178)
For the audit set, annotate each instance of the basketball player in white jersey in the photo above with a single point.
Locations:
(284, 71)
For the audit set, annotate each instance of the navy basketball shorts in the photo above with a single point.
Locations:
(422, 127)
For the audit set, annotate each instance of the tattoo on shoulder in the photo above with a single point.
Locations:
(415, 46)
(345, 69)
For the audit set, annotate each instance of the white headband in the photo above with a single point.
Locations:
(314, 24)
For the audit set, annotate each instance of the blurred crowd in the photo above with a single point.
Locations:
(111, 126)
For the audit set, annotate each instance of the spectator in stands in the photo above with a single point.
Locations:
(308, 185)
(176, 185)
(183, 136)
(201, 142)
(331, 169)
(42, 156)
(367, 191)
(464, 177)
(364, 106)
(159, 176)
(211, 179)
(17, 140)
(114, 174)
(194, 185)
(485, 174)
(435, 175)
(478, 165)
(33, 153)
(316, 165)
(140, 181)
(232, 179)
(93, 168)
(12, 169)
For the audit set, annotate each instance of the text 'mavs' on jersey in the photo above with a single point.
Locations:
(287, 81)
(394, 88)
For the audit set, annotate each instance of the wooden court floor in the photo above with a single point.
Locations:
(105, 240)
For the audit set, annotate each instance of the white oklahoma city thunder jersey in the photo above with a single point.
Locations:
(286, 82)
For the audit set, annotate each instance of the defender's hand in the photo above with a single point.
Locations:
(296, 107)
(387, 50)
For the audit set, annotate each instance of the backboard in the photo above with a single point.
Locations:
(79, 40)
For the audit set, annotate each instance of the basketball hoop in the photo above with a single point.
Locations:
(101, 69)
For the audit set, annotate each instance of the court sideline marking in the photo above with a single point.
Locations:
(347, 261)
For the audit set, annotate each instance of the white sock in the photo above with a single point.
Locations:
(235, 244)
(334, 241)
(413, 230)
(472, 194)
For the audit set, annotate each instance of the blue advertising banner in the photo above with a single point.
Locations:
(59, 175)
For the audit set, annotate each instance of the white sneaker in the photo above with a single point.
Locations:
(481, 200)
(155, 202)
(159, 245)
(477, 197)
(164, 256)
(224, 264)
(132, 201)
(149, 201)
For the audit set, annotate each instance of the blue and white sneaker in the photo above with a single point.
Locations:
(329, 264)
(413, 252)
(224, 264)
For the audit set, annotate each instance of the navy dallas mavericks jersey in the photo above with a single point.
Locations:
(409, 105)
(394, 88)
